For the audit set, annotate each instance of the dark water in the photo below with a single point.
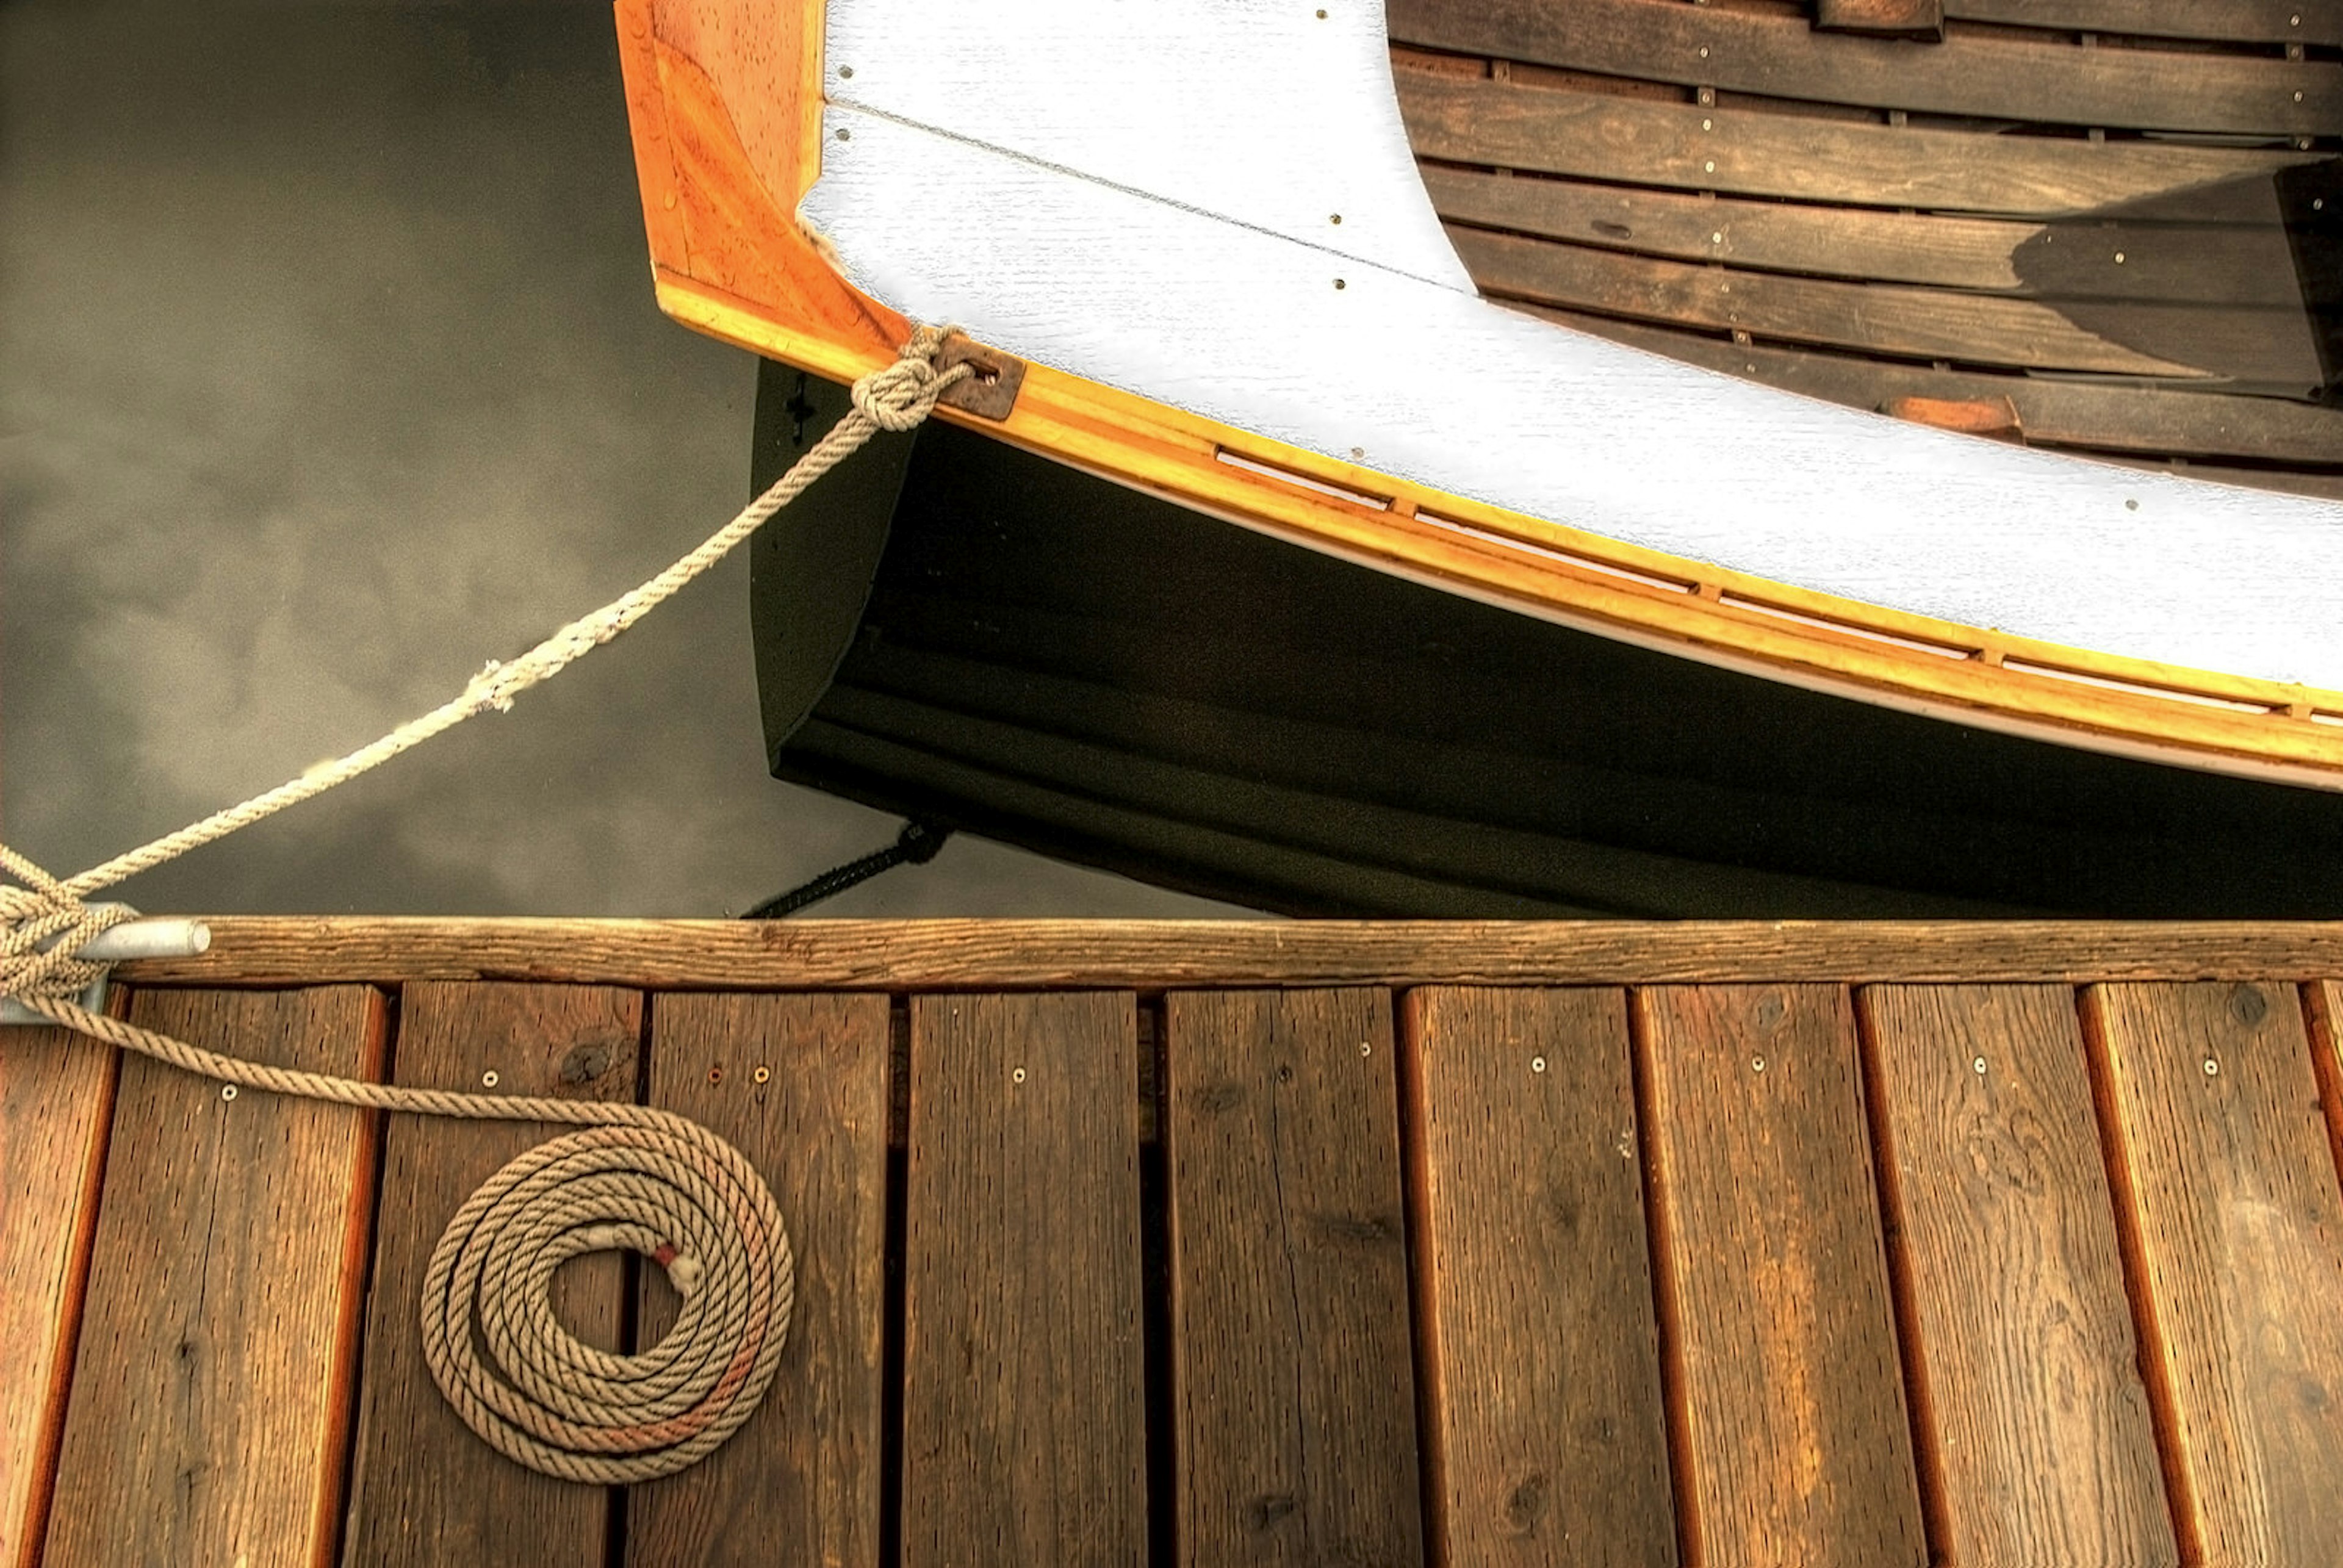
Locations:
(329, 368)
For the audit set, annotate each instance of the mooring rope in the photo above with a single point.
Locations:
(635, 1177)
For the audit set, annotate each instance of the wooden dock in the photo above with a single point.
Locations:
(1590, 1244)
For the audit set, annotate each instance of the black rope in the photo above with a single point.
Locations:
(916, 844)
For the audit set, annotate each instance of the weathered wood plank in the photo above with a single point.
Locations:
(2147, 420)
(1689, 146)
(2033, 1432)
(424, 1489)
(799, 1084)
(2220, 21)
(939, 955)
(1779, 236)
(210, 1404)
(1783, 58)
(1023, 1412)
(2233, 1229)
(1794, 1447)
(57, 1101)
(2226, 263)
(1880, 318)
(1544, 1409)
(2326, 998)
(1294, 1394)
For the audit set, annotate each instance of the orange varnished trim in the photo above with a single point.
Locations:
(732, 263)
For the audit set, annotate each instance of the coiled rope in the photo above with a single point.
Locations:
(634, 1177)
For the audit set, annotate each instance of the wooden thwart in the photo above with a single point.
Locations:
(2051, 81)
(210, 1401)
(1541, 1406)
(1293, 1397)
(1691, 146)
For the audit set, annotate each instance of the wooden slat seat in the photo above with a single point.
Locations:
(1915, 228)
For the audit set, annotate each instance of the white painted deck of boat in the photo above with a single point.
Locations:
(1155, 248)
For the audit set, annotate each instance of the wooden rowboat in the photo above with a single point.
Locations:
(1522, 616)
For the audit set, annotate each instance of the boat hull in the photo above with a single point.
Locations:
(1065, 664)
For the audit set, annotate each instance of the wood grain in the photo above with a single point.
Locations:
(2225, 21)
(2035, 1439)
(1877, 318)
(424, 1489)
(1631, 141)
(57, 1102)
(1544, 1416)
(2188, 424)
(1292, 1384)
(2233, 1231)
(799, 1482)
(1023, 1411)
(1794, 1446)
(210, 1407)
(1970, 253)
(936, 955)
(1781, 56)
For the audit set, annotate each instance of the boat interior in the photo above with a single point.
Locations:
(2103, 226)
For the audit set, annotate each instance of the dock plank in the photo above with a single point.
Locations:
(1293, 1390)
(1745, 152)
(2233, 1227)
(1022, 1404)
(1543, 1415)
(1794, 1446)
(424, 1489)
(799, 1482)
(2033, 1428)
(2049, 81)
(210, 1409)
(2223, 21)
(56, 1100)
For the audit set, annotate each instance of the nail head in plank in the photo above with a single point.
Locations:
(57, 1098)
(209, 1411)
(799, 1084)
(2227, 1191)
(1795, 1448)
(1544, 1406)
(1023, 1441)
(1293, 1389)
(424, 1489)
(2036, 1444)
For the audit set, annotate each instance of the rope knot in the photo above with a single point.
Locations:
(43, 924)
(899, 395)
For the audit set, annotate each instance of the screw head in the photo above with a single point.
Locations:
(2212, 1068)
(1756, 1064)
(1017, 1075)
(1366, 1047)
(227, 1091)
(1538, 1064)
(763, 1075)
(488, 1079)
(1978, 1065)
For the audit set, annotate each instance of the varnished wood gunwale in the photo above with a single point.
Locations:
(729, 261)
(906, 956)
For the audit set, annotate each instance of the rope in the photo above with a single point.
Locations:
(635, 1177)
(916, 845)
